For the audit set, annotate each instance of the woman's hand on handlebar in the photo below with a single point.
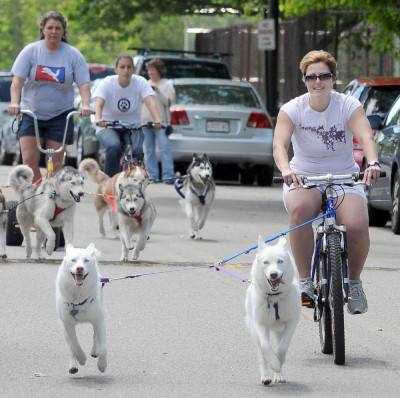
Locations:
(85, 111)
(13, 109)
(290, 177)
(101, 123)
(371, 174)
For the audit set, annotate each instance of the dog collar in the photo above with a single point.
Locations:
(138, 218)
(57, 211)
(74, 311)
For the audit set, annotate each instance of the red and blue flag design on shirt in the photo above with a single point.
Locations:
(50, 73)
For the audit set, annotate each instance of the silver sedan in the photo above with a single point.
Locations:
(228, 121)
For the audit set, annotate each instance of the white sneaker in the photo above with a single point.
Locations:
(357, 303)
(307, 292)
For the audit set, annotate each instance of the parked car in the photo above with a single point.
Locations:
(384, 196)
(227, 120)
(100, 71)
(377, 95)
(182, 64)
(8, 140)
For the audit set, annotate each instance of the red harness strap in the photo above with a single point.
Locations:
(138, 218)
(111, 201)
(57, 211)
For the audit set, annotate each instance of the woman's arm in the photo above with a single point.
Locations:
(361, 129)
(84, 90)
(282, 135)
(15, 94)
(150, 102)
(99, 105)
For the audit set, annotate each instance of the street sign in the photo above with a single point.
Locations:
(266, 35)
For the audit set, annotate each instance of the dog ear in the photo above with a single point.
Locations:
(68, 249)
(195, 156)
(261, 243)
(93, 251)
(282, 241)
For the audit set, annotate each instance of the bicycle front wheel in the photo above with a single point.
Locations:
(336, 300)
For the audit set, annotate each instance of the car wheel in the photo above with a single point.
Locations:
(247, 176)
(14, 236)
(377, 217)
(396, 204)
(264, 175)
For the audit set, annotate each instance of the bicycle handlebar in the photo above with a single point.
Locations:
(118, 124)
(36, 127)
(345, 179)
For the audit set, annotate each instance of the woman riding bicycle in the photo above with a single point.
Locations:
(320, 125)
(120, 97)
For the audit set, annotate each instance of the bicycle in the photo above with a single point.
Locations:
(14, 235)
(330, 271)
(125, 130)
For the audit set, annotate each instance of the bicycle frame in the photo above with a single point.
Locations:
(50, 152)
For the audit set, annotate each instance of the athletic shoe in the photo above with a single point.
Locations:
(357, 303)
(307, 292)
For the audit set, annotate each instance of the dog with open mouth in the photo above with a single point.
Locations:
(79, 299)
(273, 307)
(51, 204)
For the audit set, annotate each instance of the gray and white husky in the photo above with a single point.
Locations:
(136, 215)
(51, 204)
(198, 192)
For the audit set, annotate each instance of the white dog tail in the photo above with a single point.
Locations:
(20, 177)
(92, 168)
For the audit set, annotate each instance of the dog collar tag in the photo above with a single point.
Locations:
(74, 312)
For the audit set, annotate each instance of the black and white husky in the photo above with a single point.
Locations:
(51, 204)
(197, 190)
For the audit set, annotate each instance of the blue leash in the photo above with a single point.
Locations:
(219, 265)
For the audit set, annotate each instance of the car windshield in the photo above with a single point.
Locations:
(380, 99)
(211, 94)
(5, 83)
(178, 68)
(99, 72)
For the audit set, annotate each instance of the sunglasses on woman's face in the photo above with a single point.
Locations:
(321, 77)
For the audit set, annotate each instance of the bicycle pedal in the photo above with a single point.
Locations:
(307, 301)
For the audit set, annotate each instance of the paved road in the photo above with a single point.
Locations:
(181, 333)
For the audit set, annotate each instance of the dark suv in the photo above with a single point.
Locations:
(183, 63)
(377, 95)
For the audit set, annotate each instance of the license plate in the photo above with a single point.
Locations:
(217, 126)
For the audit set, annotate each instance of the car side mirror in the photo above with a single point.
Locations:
(375, 121)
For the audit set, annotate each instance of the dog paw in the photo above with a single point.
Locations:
(73, 370)
(50, 247)
(81, 358)
(192, 236)
(135, 255)
(278, 378)
(102, 363)
(266, 381)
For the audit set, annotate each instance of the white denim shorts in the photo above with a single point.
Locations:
(339, 191)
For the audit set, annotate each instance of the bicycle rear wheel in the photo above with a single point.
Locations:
(323, 308)
(336, 300)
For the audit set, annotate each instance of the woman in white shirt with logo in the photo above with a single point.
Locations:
(320, 125)
(120, 98)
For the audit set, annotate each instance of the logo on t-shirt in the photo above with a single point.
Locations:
(124, 105)
(329, 138)
(50, 73)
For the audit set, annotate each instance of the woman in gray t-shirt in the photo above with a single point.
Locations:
(320, 124)
(43, 76)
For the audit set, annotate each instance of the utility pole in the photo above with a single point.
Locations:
(271, 62)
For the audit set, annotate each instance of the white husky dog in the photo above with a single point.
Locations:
(52, 204)
(273, 306)
(198, 193)
(79, 299)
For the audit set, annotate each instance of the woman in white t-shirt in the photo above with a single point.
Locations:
(320, 125)
(120, 98)
(165, 96)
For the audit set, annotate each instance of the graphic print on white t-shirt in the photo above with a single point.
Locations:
(124, 105)
(328, 137)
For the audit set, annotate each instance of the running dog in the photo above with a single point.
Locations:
(3, 226)
(79, 299)
(197, 189)
(273, 307)
(124, 195)
(51, 204)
